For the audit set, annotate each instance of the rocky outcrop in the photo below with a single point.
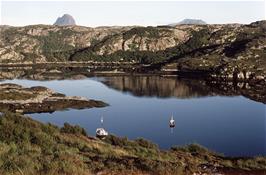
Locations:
(16, 98)
(143, 39)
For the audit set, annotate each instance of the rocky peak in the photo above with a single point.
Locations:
(65, 20)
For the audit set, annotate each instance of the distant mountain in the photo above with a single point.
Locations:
(65, 20)
(189, 21)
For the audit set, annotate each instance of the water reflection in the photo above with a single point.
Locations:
(165, 87)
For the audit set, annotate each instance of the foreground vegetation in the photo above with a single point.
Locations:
(30, 147)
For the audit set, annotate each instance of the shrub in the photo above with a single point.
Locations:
(117, 141)
(77, 130)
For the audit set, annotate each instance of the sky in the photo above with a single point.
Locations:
(111, 13)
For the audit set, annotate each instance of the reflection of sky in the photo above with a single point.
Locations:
(231, 125)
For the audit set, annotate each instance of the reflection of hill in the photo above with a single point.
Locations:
(182, 88)
(155, 86)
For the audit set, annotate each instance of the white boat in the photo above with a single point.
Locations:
(172, 122)
(101, 132)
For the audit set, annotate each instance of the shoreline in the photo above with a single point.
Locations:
(129, 68)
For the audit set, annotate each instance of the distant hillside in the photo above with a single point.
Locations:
(224, 49)
(189, 21)
(65, 20)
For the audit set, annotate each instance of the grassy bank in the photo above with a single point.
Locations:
(30, 147)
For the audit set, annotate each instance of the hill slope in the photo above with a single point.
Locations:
(225, 49)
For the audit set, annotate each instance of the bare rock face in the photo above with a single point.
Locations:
(65, 20)
(143, 39)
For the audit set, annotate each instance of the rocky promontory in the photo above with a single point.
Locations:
(16, 98)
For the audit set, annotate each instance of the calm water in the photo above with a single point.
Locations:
(141, 107)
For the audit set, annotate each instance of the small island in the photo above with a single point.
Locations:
(19, 99)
